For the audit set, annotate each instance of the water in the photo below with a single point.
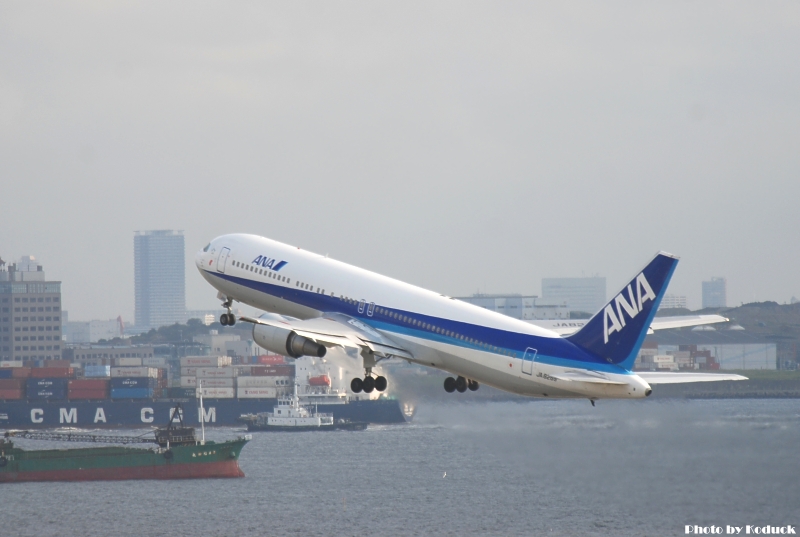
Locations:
(537, 468)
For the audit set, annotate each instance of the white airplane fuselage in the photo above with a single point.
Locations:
(438, 331)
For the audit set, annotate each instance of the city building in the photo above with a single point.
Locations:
(110, 354)
(207, 317)
(91, 331)
(216, 342)
(30, 313)
(706, 348)
(715, 294)
(672, 302)
(160, 278)
(586, 295)
(246, 348)
(518, 306)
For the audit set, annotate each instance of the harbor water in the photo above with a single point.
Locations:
(532, 468)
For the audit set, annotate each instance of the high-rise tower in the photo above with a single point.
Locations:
(160, 278)
(715, 293)
(30, 312)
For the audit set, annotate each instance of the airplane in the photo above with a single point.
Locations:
(312, 303)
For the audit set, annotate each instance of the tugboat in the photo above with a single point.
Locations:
(290, 415)
(179, 455)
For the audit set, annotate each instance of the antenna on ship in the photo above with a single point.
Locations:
(202, 414)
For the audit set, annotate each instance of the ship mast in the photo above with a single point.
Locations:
(202, 414)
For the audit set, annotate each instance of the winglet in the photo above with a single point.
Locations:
(617, 331)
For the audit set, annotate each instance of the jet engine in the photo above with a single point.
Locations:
(286, 341)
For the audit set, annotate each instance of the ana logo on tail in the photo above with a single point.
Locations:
(613, 319)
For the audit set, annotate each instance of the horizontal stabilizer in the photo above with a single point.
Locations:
(580, 376)
(664, 323)
(565, 327)
(668, 377)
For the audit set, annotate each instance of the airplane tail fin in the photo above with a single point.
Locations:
(617, 331)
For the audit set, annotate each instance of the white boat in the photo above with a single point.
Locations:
(290, 415)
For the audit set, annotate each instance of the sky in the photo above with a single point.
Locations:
(460, 146)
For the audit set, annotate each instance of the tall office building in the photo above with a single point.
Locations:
(715, 294)
(30, 313)
(672, 302)
(160, 278)
(579, 294)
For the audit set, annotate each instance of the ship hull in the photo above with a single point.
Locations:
(212, 460)
(360, 426)
(114, 414)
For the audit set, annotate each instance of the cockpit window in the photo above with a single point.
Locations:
(207, 247)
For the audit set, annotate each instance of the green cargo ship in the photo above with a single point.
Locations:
(179, 455)
(211, 459)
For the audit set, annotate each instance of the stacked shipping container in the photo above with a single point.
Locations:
(137, 378)
(221, 380)
(87, 389)
(11, 388)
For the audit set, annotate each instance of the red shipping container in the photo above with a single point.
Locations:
(88, 384)
(87, 394)
(271, 359)
(21, 372)
(11, 384)
(10, 394)
(51, 372)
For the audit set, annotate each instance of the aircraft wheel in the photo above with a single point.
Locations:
(223, 319)
(368, 384)
(461, 384)
(356, 385)
(231, 319)
(449, 384)
(381, 383)
(473, 385)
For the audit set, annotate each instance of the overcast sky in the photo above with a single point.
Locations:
(460, 146)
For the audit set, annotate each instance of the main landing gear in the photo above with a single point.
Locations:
(460, 384)
(368, 383)
(227, 319)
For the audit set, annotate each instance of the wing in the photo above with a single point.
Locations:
(661, 323)
(336, 330)
(657, 377)
(570, 326)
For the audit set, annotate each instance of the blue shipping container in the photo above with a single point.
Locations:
(47, 388)
(6, 373)
(132, 393)
(97, 371)
(133, 382)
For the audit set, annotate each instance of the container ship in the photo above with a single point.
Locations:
(135, 393)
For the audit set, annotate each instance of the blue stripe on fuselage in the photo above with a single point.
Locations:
(554, 351)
